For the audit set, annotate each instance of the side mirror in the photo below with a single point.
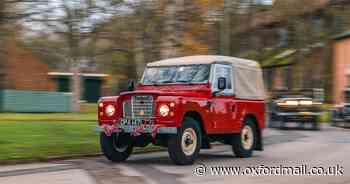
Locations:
(222, 83)
(131, 85)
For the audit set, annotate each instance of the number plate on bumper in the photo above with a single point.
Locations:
(144, 126)
(133, 125)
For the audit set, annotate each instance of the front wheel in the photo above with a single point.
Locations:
(184, 147)
(117, 147)
(243, 144)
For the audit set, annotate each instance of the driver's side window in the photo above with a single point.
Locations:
(225, 71)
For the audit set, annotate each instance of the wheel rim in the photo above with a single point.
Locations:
(247, 137)
(189, 141)
(117, 145)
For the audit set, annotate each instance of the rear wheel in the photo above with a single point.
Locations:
(117, 147)
(184, 147)
(243, 144)
(274, 121)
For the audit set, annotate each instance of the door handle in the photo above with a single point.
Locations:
(208, 105)
(233, 107)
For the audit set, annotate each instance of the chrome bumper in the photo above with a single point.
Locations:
(161, 130)
(298, 114)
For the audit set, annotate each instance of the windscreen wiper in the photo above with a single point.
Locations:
(166, 82)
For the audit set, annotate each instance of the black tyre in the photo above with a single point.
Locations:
(272, 121)
(117, 147)
(283, 125)
(184, 147)
(243, 144)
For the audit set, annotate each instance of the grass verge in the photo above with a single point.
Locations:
(45, 140)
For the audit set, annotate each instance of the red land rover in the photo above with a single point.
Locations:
(184, 104)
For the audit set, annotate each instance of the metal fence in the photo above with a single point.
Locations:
(35, 101)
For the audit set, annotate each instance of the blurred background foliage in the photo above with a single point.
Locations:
(119, 37)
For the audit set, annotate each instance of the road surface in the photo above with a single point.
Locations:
(329, 148)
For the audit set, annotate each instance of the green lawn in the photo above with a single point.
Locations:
(33, 137)
(43, 140)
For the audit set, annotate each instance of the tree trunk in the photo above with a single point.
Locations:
(2, 64)
(139, 57)
(139, 45)
(171, 45)
(76, 87)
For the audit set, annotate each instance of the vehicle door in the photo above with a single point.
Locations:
(222, 102)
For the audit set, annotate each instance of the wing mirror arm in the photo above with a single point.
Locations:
(131, 85)
(215, 93)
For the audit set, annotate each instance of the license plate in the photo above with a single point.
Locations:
(136, 122)
(131, 125)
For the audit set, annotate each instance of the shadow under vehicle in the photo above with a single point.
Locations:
(301, 107)
(341, 113)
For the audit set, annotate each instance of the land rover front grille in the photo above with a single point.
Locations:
(139, 107)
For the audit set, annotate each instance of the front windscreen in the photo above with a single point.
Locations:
(176, 74)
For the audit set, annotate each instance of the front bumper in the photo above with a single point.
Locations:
(135, 130)
(343, 118)
(297, 116)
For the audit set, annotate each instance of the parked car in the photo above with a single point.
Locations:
(299, 106)
(185, 104)
(341, 113)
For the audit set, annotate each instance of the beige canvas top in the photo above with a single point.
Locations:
(247, 74)
(204, 59)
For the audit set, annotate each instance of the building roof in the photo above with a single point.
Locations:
(279, 58)
(342, 36)
(205, 59)
(98, 75)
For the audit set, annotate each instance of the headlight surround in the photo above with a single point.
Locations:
(306, 102)
(292, 103)
(164, 110)
(110, 110)
(288, 103)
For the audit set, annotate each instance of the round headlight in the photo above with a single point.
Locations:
(100, 104)
(110, 110)
(164, 110)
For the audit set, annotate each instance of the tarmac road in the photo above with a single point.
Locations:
(293, 148)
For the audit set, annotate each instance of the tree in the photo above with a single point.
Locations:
(172, 29)
(76, 23)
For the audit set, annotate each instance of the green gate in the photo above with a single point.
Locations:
(92, 89)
